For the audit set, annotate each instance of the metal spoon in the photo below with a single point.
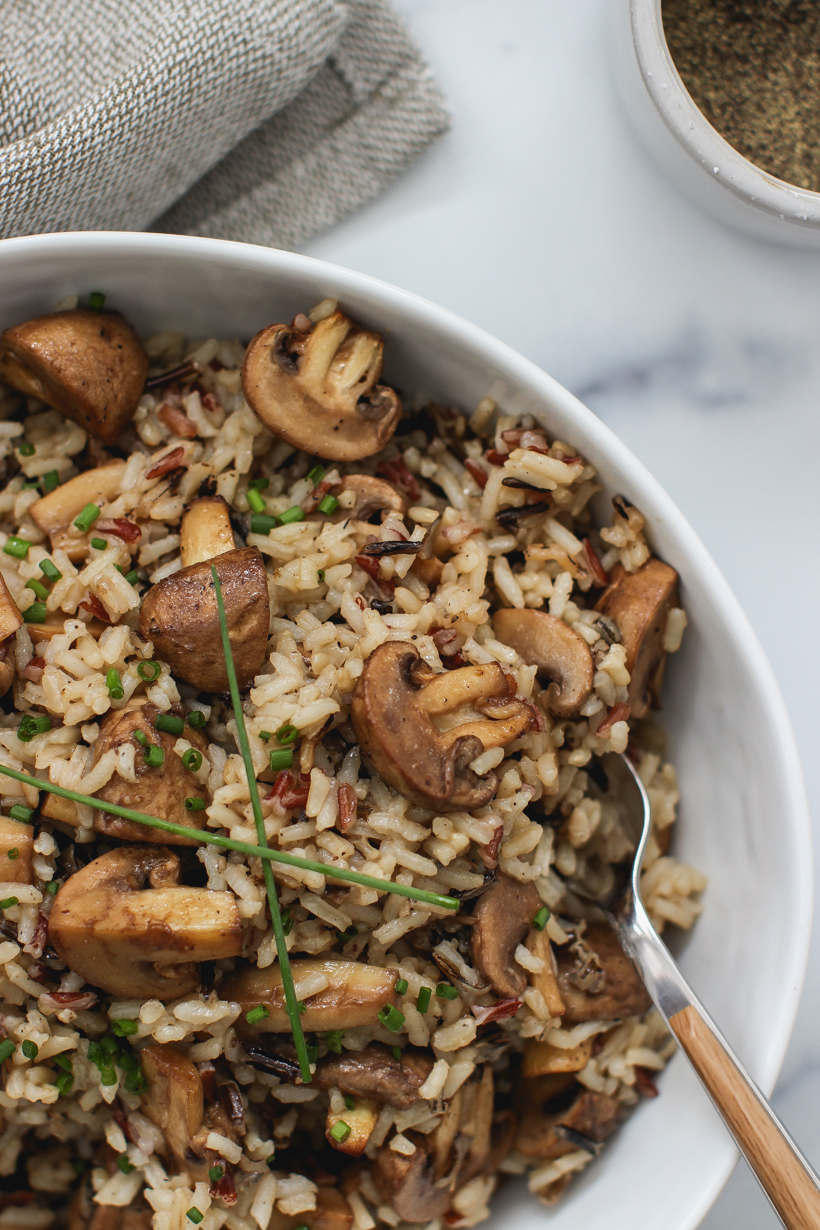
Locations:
(782, 1171)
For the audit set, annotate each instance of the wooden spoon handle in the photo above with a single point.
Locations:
(784, 1175)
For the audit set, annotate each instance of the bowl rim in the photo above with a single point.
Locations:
(690, 127)
(786, 762)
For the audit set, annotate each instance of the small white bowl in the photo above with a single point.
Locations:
(689, 149)
(744, 817)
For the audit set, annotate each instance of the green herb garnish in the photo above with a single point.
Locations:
(391, 1018)
(87, 517)
(49, 570)
(18, 547)
(541, 918)
(170, 724)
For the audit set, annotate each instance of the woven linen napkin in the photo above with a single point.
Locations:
(259, 120)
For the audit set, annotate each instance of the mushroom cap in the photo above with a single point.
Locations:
(407, 1184)
(376, 1073)
(180, 616)
(88, 365)
(354, 994)
(545, 641)
(124, 923)
(373, 495)
(502, 917)
(205, 530)
(174, 1099)
(159, 792)
(397, 695)
(639, 603)
(318, 390)
(618, 991)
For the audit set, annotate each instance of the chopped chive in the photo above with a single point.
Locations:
(110, 1047)
(256, 500)
(349, 933)
(171, 724)
(8, 902)
(194, 804)
(37, 588)
(216, 1173)
(541, 918)
(313, 1054)
(263, 523)
(96, 301)
(264, 735)
(334, 1040)
(149, 670)
(132, 577)
(122, 1162)
(26, 449)
(49, 570)
(316, 475)
(286, 734)
(128, 1061)
(135, 1082)
(154, 756)
(192, 759)
(291, 515)
(50, 481)
(31, 726)
(108, 1076)
(30, 1049)
(87, 517)
(321, 576)
(396, 1053)
(257, 1014)
(401, 986)
(125, 1028)
(7, 1049)
(259, 483)
(29, 484)
(267, 870)
(197, 719)
(52, 888)
(99, 544)
(349, 1103)
(36, 613)
(13, 854)
(62, 1061)
(328, 505)
(95, 1053)
(64, 1082)
(141, 737)
(445, 991)
(21, 814)
(18, 547)
(281, 759)
(287, 921)
(242, 847)
(195, 1216)
(114, 684)
(391, 1018)
(423, 999)
(340, 1131)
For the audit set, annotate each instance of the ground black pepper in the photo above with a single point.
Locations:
(753, 69)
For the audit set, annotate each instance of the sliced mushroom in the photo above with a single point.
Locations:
(544, 641)
(502, 917)
(376, 1073)
(476, 1122)
(173, 1100)
(545, 980)
(56, 512)
(159, 792)
(318, 390)
(205, 530)
(408, 1184)
(639, 603)
(618, 990)
(141, 941)
(10, 621)
(88, 365)
(56, 627)
(16, 850)
(180, 616)
(396, 698)
(372, 496)
(86, 1214)
(562, 1117)
(540, 1058)
(361, 1120)
(354, 995)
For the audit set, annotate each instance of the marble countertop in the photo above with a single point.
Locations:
(540, 218)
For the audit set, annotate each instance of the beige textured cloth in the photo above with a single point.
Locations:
(259, 120)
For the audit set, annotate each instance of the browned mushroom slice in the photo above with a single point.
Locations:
(56, 512)
(318, 390)
(10, 621)
(396, 698)
(408, 1184)
(180, 616)
(639, 603)
(205, 530)
(545, 979)
(332, 1212)
(354, 995)
(597, 980)
(173, 1100)
(376, 1073)
(16, 849)
(541, 1059)
(159, 792)
(556, 649)
(126, 924)
(560, 1117)
(358, 1120)
(502, 917)
(88, 365)
(372, 496)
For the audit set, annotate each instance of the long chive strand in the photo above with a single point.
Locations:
(262, 838)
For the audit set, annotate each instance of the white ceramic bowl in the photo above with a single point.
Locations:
(743, 817)
(705, 166)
